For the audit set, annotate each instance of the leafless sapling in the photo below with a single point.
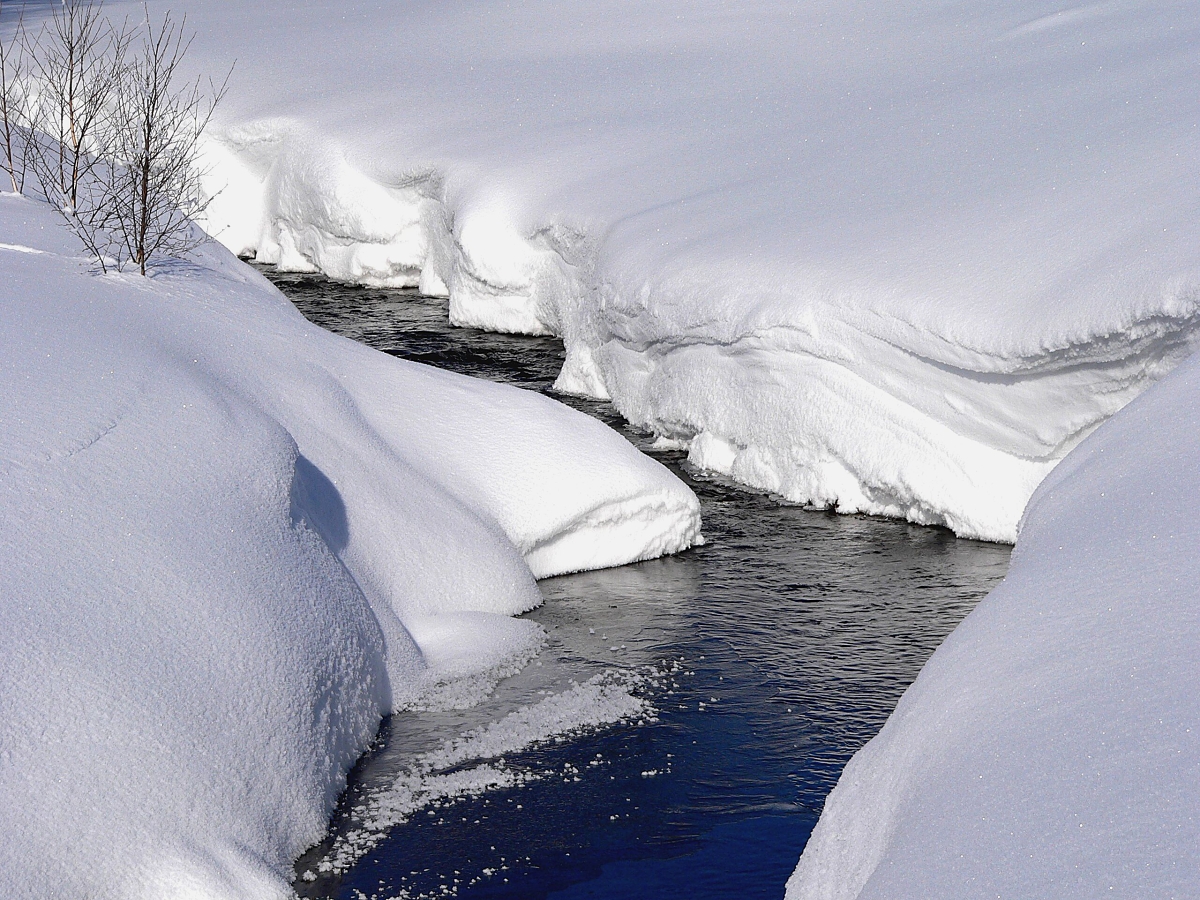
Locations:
(75, 61)
(158, 120)
(16, 119)
(12, 102)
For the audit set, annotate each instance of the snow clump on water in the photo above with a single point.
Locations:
(605, 699)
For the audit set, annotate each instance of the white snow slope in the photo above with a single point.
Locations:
(230, 542)
(897, 257)
(1051, 746)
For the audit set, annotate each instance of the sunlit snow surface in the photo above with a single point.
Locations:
(233, 541)
(765, 658)
(897, 257)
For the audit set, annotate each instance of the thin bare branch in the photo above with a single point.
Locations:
(14, 121)
(157, 141)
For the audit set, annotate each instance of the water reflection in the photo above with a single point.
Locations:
(792, 634)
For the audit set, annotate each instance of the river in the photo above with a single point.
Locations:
(760, 662)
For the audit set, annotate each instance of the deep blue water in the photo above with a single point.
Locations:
(783, 644)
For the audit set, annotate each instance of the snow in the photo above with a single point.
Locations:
(894, 258)
(900, 258)
(441, 776)
(897, 258)
(232, 542)
(1051, 746)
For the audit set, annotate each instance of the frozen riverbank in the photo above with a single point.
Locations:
(233, 542)
(900, 259)
(892, 260)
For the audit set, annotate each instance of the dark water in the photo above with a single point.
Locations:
(774, 652)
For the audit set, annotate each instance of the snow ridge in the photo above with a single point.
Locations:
(854, 411)
(932, 268)
(1049, 747)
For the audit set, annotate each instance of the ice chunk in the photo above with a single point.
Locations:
(605, 699)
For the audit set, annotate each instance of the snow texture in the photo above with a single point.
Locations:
(440, 775)
(231, 542)
(1051, 747)
(893, 258)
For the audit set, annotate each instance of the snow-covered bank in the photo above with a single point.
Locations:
(1051, 747)
(231, 542)
(897, 258)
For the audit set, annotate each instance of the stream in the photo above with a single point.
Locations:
(734, 681)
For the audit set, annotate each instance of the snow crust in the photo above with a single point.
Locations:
(1051, 746)
(440, 775)
(231, 542)
(894, 258)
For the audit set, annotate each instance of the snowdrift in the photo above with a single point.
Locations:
(891, 258)
(231, 542)
(1050, 747)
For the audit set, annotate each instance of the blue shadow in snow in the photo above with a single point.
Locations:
(319, 503)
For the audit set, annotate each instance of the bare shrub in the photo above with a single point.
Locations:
(109, 127)
(158, 119)
(75, 61)
(14, 119)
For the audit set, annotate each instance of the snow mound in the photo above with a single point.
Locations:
(1050, 748)
(234, 541)
(889, 259)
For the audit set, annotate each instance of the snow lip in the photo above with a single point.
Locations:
(959, 274)
(972, 421)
